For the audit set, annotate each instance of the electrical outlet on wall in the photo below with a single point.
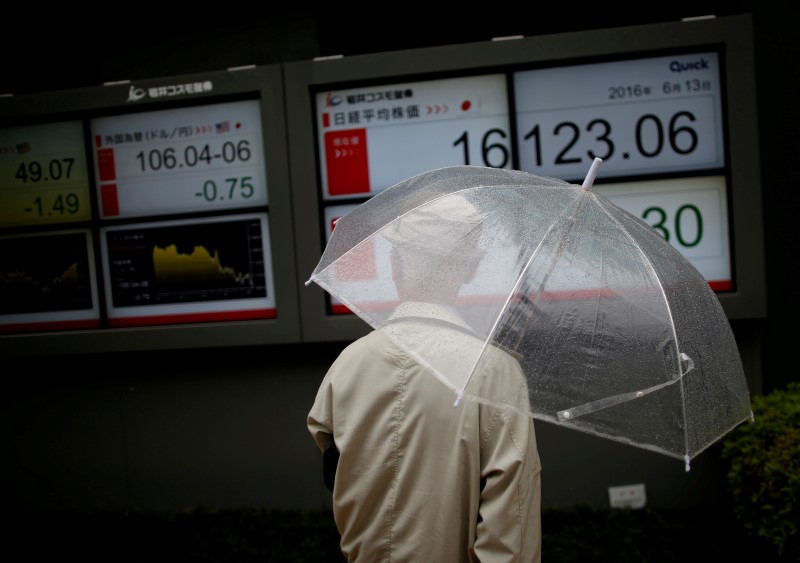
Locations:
(627, 496)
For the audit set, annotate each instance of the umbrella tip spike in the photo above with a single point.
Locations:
(688, 462)
(458, 398)
(592, 174)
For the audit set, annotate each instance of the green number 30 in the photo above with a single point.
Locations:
(660, 224)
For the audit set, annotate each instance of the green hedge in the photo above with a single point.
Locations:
(764, 471)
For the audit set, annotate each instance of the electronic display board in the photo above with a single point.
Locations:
(691, 213)
(670, 108)
(182, 160)
(43, 174)
(374, 137)
(177, 189)
(643, 117)
(646, 115)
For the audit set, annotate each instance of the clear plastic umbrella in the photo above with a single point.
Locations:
(616, 332)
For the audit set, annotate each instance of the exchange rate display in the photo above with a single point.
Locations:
(146, 212)
(199, 159)
(203, 158)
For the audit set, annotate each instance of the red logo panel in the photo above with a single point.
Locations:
(347, 162)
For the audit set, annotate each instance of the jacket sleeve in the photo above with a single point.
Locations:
(509, 522)
(320, 425)
(320, 418)
(330, 462)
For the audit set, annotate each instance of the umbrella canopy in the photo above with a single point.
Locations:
(615, 331)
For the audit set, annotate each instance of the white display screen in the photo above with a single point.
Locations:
(202, 158)
(691, 213)
(371, 138)
(643, 116)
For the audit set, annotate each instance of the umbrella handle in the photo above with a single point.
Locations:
(586, 408)
(592, 174)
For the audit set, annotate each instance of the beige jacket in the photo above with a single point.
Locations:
(419, 479)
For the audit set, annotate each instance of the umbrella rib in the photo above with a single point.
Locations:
(647, 261)
(535, 253)
(678, 354)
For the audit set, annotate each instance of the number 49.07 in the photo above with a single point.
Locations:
(34, 171)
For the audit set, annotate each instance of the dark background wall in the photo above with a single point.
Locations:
(180, 429)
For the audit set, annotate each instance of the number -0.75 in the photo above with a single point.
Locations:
(241, 187)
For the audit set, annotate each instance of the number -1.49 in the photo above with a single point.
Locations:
(69, 203)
